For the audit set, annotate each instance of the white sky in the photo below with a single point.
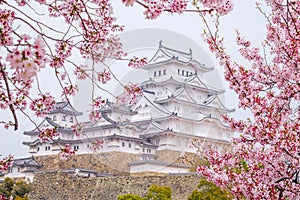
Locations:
(245, 18)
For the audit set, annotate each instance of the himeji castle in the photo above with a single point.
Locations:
(177, 107)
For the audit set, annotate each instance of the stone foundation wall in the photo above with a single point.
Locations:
(62, 186)
(176, 157)
(112, 162)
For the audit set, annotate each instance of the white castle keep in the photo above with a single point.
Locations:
(177, 106)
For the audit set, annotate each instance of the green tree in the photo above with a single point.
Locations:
(159, 193)
(155, 193)
(6, 187)
(20, 189)
(21, 198)
(130, 197)
(209, 191)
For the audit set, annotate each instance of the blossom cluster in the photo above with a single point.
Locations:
(66, 152)
(154, 8)
(63, 51)
(77, 128)
(136, 62)
(80, 73)
(97, 145)
(43, 105)
(104, 76)
(48, 134)
(265, 157)
(131, 94)
(97, 105)
(27, 59)
(222, 7)
(5, 163)
(6, 21)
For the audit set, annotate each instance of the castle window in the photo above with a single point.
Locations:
(148, 150)
(144, 150)
(47, 148)
(129, 145)
(76, 148)
(159, 73)
(176, 108)
(165, 72)
(54, 118)
(182, 72)
(154, 73)
(187, 73)
(19, 169)
(71, 119)
(123, 144)
(38, 148)
(178, 71)
(64, 118)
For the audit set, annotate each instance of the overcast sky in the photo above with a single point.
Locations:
(245, 18)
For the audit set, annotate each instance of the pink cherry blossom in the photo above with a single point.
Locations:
(5, 163)
(136, 62)
(104, 76)
(43, 105)
(132, 93)
(48, 134)
(66, 152)
(97, 145)
(264, 160)
(128, 2)
(77, 128)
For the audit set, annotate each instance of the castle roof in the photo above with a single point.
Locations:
(171, 132)
(46, 123)
(65, 108)
(165, 55)
(112, 107)
(142, 141)
(26, 162)
(193, 81)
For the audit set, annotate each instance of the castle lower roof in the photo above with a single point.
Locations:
(65, 108)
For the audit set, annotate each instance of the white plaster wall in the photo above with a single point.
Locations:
(148, 167)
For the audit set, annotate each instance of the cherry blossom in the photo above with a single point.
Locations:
(264, 160)
(97, 145)
(43, 105)
(77, 128)
(97, 105)
(131, 94)
(136, 62)
(48, 134)
(128, 2)
(104, 76)
(95, 116)
(66, 152)
(5, 163)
